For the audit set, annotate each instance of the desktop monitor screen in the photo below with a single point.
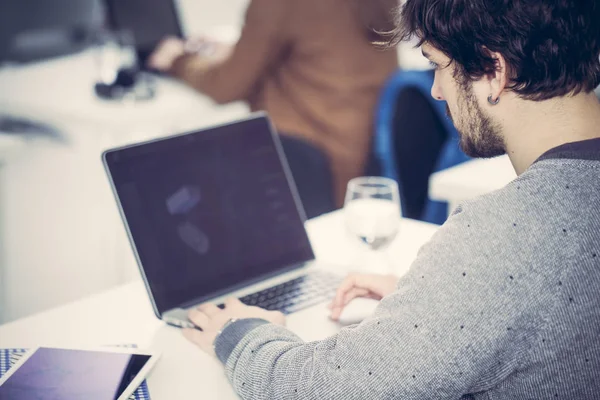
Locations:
(148, 21)
(210, 210)
(33, 30)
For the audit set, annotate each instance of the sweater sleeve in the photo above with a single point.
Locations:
(456, 325)
(260, 44)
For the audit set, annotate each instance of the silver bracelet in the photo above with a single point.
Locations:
(229, 322)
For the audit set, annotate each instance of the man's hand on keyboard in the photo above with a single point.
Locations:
(211, 319)
(361, 285)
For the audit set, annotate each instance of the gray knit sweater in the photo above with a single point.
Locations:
(502, 303)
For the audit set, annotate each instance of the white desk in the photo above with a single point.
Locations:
(124, 315)
(59, 220)
(61, 92)
(9, 147)
(471, 179)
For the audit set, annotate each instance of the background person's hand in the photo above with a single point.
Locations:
(165, 54)
(206, 52)
(361, 285)
(211, 320)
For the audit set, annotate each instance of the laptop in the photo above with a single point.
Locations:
(214, 213)
(149, 21)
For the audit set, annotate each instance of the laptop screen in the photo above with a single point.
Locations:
(209, 210)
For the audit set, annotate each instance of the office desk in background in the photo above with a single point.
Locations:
(9, 147)
(471, 179)
(124, 315)
(59, 220)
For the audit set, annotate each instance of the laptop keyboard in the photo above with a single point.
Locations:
(296, 294)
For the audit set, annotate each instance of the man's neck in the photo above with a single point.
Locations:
(536, 127)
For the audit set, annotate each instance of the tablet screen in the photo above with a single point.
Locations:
(51, 374)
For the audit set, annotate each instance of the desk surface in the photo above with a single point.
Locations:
(56, 179)
(62, 90)
(124, 315)
(471, 179)
(9, 144)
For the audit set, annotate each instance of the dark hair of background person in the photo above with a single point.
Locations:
(552, 47)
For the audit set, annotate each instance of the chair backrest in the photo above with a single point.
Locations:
(312, 175)
(385, 134)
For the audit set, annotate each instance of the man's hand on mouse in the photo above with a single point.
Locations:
(361, 285)
(211, 319)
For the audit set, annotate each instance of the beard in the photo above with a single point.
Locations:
(480, 136)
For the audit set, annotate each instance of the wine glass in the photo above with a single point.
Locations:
(372, 214)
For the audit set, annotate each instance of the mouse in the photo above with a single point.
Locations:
(357, 310)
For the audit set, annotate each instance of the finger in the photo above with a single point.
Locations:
(348, 296)
(233, 302)
(209, 309)
(155, 59)
(346, 285)
(354, 293)
(200, 319)
(159, 61)
(376, 284)
(278, 318)
(336, 310)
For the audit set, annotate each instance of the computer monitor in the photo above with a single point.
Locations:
(32, 30)
(148, 21)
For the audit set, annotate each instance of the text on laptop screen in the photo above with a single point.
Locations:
(209, 210)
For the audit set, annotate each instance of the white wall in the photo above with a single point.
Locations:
(200, 16)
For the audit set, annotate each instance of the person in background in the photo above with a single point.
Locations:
(311, 64)
(503, 302)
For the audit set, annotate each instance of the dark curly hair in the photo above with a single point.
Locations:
(552, 47)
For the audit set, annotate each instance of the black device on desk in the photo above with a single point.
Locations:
(215, 213)
(125, 80)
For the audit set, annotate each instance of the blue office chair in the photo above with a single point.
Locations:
(385, 135)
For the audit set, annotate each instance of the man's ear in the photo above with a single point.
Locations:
(498, 79)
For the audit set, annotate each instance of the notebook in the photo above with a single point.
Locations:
(8, 357)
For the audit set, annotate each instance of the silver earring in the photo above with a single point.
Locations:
(493, 102)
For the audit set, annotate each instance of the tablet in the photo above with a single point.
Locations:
(76, 374)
